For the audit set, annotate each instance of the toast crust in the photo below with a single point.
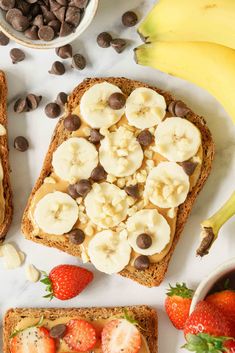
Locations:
(146, 317)
(154, 275)
(4, 155)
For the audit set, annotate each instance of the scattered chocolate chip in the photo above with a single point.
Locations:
(95, 136)
(33, 101)
(58, 331)
(118, 44)
(21, 105)
(145, 138)
(178, 108)
(132, 191)
(65, 29)
(78, 62)
(144, 241)
(72, 122)
(52, 110)
(83, 187)
(117, 101)
(32, 33)
(46, 33)
(142, 262)
(57, 68)
(17, 55)
(65, 52)
(4, 40)
(129, 19)
(20, 23)
(189, 167)
(72, 190)
(98, 173)
(76, 236)
(61, 98)
(104, 40)
(21, 144)
(73, 16)
(7, 4)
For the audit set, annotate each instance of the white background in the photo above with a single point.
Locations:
(31, 76)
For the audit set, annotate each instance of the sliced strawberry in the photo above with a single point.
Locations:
(33, 340)
(80, 336)
(120, 335)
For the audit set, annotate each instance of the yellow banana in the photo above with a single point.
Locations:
(191, 20)
(208, 65)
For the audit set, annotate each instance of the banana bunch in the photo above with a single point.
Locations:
(193, 40)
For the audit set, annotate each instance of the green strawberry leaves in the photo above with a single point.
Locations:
(46, 280)
(38, 324)
(180, 290)
(204, 343)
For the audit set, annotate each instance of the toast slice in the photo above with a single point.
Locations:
(154, 275)
(144, 315)
(5, 188)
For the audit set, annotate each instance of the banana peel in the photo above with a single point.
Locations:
(210, 66)
(211, 226)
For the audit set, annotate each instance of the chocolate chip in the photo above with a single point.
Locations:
(60, 13)
(20, 23)
(55, 24)
(32, 33)
(17, 55)
(31, 1)
(21, 105)
(58, 331)
(65, 51)
(12, 13)
(118, 44)
(78, 62)
(145, 138)
(83, 187)
(142, 262)
(46, 33)
(63, 2)
(65, 29)
(117, 101)
(76, 236)
(81, 4)
(47, 15)
(144, 241)
(104, 40)
(7, 4)
(54, 5)
(98, 173)
(73, 16)
(61, 98)
(52, 110)
(33, 101)
(132, 191)
(23, 6)
(95, 136)
(35, 10)
(72, 122)
(72, 190)
(4, 40)
(38, 21)
(129, 19)
(178, 108)
(189, 167)
(21, 144)
(57, 68)
(171, 108)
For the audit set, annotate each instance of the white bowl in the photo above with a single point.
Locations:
(205, 286)
(19, 37)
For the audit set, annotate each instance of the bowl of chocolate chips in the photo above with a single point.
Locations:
(45, 24)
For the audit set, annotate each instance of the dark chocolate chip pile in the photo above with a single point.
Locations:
(28, 103)
(44, 19)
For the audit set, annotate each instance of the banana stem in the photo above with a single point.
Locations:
(211, 226)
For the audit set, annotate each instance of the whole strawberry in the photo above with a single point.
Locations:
(177, 304)
(66, 281)
(225, 301)
(206, 318)
(202, 343)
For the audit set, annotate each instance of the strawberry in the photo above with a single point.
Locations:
(225, 301)
(66, 281)
(206, 318)
(119, 335)
(33, 340)
(80, 335)
(202, 343)
(177, 304)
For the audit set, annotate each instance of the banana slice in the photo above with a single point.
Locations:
(145, 108)
(95, 109)
(106, 205)
(109, 251)
(56, 213)
(167, 185)
(177, 139)
(75, 159)
(120, 153)
(152, 223)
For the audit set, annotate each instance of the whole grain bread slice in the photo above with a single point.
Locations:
(144, 315)
(4, 157)
(154, 275)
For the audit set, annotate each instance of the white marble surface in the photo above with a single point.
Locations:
(31, 76)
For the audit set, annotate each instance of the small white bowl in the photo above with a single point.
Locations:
(20, 38)
(205, 286)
